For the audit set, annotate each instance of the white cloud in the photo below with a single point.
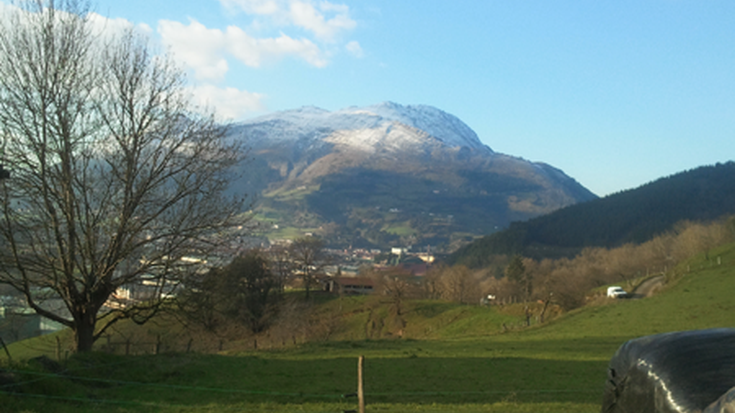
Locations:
(324, 19)
(305, 15)
(197, 47)
(115, 26)
(229, 103)
(205, 50)
(253, 52)
(105, 27)
(261, 7)
(355, 49)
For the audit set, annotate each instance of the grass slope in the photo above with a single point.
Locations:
(460, 364)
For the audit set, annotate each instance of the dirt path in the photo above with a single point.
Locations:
(648, 288)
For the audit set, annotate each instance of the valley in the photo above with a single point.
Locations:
(196, 220)
(398, 206)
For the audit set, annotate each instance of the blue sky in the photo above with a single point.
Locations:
(616, 93)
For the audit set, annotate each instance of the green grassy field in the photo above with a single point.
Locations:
(457, 360)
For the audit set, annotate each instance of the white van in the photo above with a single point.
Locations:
(616, 292)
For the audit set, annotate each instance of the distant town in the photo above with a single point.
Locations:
(340, 274)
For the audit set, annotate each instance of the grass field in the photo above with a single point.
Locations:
(457, 360)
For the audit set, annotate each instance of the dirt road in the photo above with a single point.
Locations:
(649, 287)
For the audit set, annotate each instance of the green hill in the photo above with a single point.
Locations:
(451, 359)
(632, 216)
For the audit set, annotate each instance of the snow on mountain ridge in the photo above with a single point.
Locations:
(310, 122)
(435, 122)
(391, 136)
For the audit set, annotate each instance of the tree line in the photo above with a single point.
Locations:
(567, 282)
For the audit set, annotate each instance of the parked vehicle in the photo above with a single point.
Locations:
(616, 292)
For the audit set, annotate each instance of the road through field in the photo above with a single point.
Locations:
(649, 287)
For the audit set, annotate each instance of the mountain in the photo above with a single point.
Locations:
(390, 174)
(633, 216)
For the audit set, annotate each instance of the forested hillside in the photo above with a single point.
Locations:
(631, 216)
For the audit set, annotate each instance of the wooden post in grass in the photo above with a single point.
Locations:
(360, 393)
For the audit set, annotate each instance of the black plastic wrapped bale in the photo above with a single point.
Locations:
(725, 404)
(682, 372)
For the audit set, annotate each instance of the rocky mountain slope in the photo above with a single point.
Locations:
(390, 175)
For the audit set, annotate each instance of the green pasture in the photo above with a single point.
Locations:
(451, 359)
(464, 375)
(288, 233)
(288, 195)
(402, 229)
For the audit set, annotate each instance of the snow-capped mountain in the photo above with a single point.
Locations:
(392, 174)
(312, 125)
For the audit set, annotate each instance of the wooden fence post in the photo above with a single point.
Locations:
(58, 348)
(360, 393)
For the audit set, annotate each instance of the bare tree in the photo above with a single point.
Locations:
(432, 282)
(309, 259)
(244, 292)
(457, 284)
(115, 178)
(399, 286)
(280, 264)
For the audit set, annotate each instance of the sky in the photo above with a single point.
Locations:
(615, 93)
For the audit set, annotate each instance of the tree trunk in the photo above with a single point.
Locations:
(84, 333)
(307, 284)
